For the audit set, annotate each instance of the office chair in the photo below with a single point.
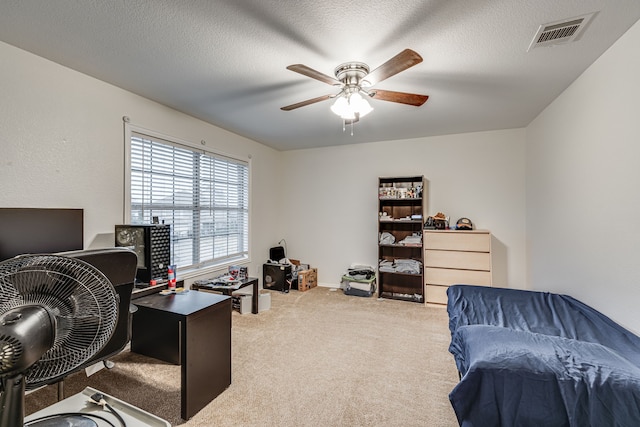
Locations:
(119, 265)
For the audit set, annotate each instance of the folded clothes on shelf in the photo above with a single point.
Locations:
(386, 266)
(413, 240)
(387, 238)
(410, 266)
(400, 265)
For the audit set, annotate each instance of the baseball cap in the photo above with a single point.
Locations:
(464, 224)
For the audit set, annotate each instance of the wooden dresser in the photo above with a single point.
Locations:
(455, 256)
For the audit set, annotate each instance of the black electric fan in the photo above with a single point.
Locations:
(55, 313)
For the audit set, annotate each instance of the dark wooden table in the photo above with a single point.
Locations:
(192, 330)
(228, 290)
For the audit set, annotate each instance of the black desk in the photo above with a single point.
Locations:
(139, 292)
(228, 290)
(193, 330)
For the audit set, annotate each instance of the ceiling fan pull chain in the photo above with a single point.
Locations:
(344, 125)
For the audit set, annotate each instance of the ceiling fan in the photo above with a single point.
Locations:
(355, 80)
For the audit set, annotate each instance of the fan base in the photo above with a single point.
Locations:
(64, 421)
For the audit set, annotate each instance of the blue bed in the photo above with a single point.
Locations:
(540, 359)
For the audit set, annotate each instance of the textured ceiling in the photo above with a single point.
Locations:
(225, 61)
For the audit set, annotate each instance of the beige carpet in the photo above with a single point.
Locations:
(317, 358)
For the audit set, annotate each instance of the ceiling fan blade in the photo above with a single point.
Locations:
(305, 103)
(405, 59)
(310, 72)
(400, 97)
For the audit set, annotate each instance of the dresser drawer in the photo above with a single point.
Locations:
(458, 241)
(447, 276)
(436, 294)
(454, 259)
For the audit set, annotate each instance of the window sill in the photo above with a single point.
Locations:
(209, 271)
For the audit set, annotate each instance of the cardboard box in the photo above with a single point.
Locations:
(307, 279)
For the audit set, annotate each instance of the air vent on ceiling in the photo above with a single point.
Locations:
(560, 32)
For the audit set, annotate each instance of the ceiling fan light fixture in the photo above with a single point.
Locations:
(359, 104)
(341, 106)
(347, 106)
(348, 115)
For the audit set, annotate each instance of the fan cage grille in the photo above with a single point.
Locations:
(80, 298)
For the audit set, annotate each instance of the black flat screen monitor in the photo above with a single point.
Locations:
(34, 231)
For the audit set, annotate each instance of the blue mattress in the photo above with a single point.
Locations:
(540, 359)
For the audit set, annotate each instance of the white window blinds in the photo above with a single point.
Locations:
(203, 196)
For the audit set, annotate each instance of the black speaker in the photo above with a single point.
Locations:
(152, 244)
(276, 277)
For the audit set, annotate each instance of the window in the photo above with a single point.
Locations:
(202, 195)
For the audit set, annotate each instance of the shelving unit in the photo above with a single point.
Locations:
(401, 207)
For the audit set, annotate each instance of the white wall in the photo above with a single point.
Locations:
(583, 172)
(332, 210)
(61, 139)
